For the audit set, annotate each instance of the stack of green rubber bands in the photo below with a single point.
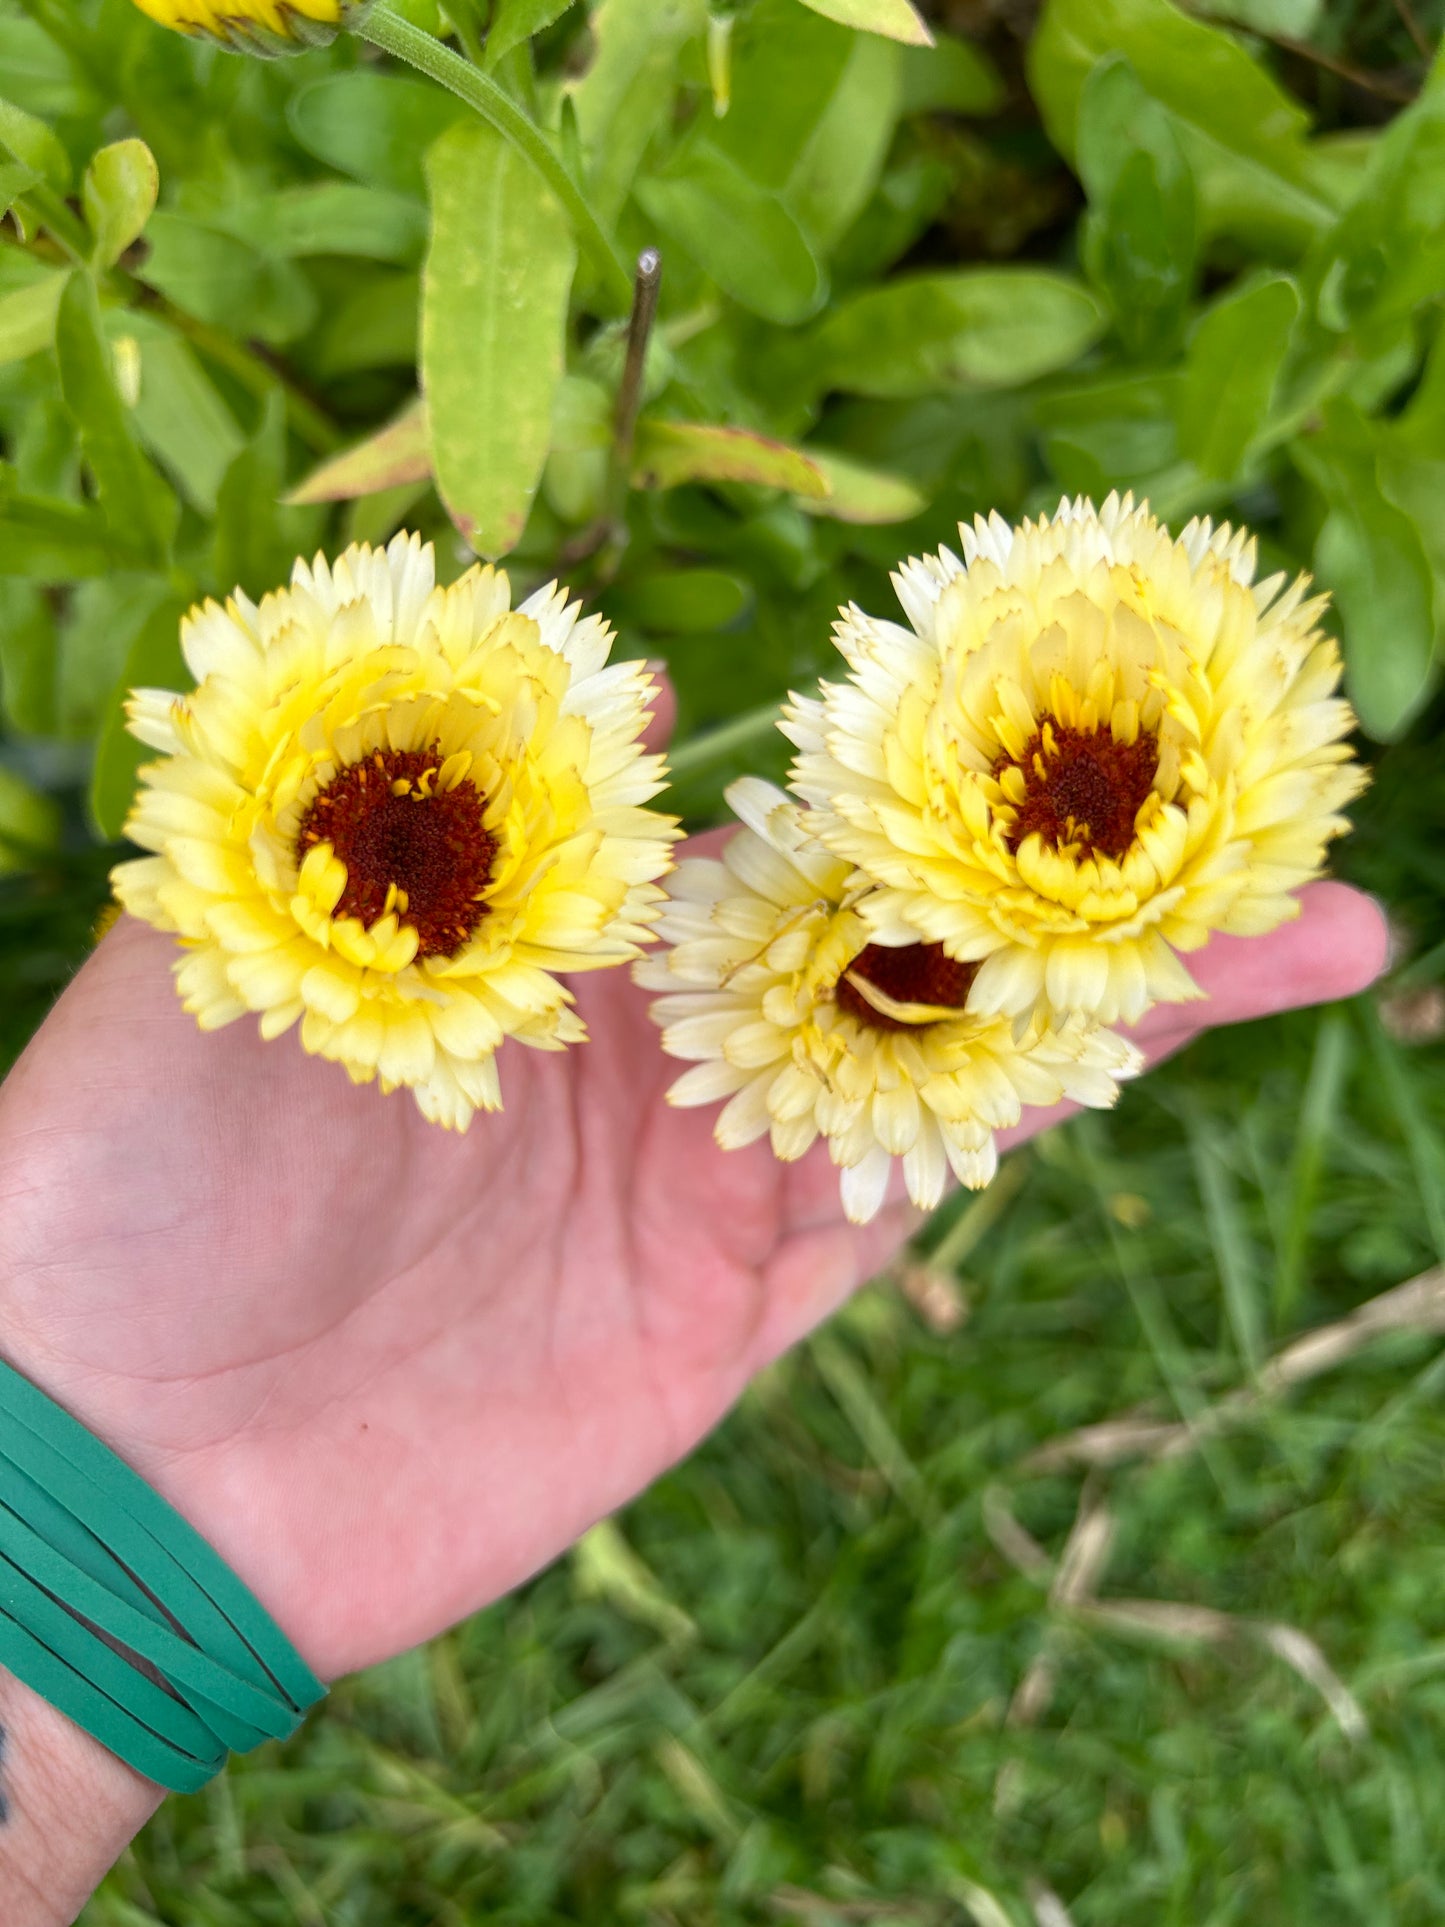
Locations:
(117, 1612)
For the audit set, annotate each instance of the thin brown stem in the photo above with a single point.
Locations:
(646, 285)
(1414, 29)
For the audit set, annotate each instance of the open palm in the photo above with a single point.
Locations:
(389, 1371)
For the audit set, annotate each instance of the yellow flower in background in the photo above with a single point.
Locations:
(807, 1028)
(258, 26)
(1094, 746)
(394, 812)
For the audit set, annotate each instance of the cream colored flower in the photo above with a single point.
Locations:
(394, 812)
(1095, 745)
(258, 26)
(807, 1028)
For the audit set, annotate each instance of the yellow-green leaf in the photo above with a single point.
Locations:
(670, 453)
(858, 493)
(119, 192)
(494, 317)
(896, 19)
(396, 454)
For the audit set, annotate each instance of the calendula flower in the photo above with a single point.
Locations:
(808, 1028)
(394, 812)
(1095, 745)
(258, 26)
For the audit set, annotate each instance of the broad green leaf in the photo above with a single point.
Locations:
(859, 493)
(15, 179)
(29, 141)
(842, 162)
(375, 327)
(1296, 18)
(670, 453)
(396, 454)
(680, 602)
(1233, 362)
(950, 77)
(970, 327)
(333, 217)
(181, 416)
(154, 661)
(494, 323)
(30, 822)
(1369, 555)
(49, 540)
(139, 507)
(1386, 253)
(898, 19)
(1242, 135)
(101, 623)
(1140, 236)
(218, 277)
(1108, 431)
(119, 195)
(373, 126)
(737, 232)
(257, 536)
(27, 316)
(625, 97)
(514, 21)
(27, 655)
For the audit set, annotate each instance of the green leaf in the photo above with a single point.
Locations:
(180, 415)
(219, 278)
(153, 661)
(119, 195)
(898, 19)
(626, 96)
(375, 327)
(950, 77)
(32, 143)
(101, 622)
(680, 602)
(139, 507)
(333, 217)
(1242, 135)
(15, 179)
(860, 493)
(257, 535)
(30, 822)
(1140, 237)
(1233, 363)
(494, 324)
(670, 453)
(27, 656)
(514, 21)
(50, 540)
(1386, 253)
(396, 454)
(738, 233)
(1369, 555)
(27, 316)
(971, 327)
(373, 126)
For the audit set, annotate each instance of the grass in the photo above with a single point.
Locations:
(860, 1659)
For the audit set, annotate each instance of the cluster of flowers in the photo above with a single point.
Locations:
(1093, 746)
(398, 814)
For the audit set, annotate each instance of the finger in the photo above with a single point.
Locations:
(1336, 947)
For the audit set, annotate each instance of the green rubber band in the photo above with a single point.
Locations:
(198, 1561)
(90, 1555)
(134, 1697)
(30, 1660)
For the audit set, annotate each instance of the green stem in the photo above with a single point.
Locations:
(399, 38)
(460, 15)
(715, 745)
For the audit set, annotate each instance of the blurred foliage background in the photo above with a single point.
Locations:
(901, 1644)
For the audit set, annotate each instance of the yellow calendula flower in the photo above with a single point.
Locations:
(1094, 746)
(394, 812)
(258, 26)
(808, 1028)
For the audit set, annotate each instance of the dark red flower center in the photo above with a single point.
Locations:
(392, 827)
(1083, 787)
(914, 973)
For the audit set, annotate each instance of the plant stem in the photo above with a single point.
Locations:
(714, 745)
(481, 93)
(645, 290)
(459, 13)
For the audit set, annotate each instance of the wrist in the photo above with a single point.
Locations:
(68, 1808)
